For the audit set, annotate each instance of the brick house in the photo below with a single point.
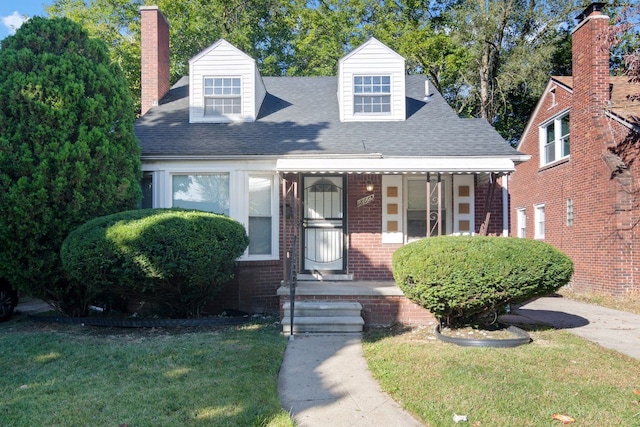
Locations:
(579, 190)
(351, 167)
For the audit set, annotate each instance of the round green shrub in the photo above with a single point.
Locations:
(175, 259)
(459, 277)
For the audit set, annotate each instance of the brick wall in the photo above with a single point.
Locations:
(601, 240)
(496, 219)
(154, 45)
(368, 258)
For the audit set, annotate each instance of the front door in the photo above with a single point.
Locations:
(323, 222)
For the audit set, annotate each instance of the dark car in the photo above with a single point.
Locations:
(8, 300)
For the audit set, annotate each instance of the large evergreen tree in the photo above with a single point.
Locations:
(67, 150)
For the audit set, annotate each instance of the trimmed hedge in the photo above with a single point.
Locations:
(459, 277)
(176, 259)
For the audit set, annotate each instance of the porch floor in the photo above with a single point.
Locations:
(343, 288)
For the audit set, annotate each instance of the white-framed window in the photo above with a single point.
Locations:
(205, 192)
(554, 140)
(260, 222)
(222, 96)
(372, 94)
(539, 221)
(249, 197)
(522, 222)
(569, 212)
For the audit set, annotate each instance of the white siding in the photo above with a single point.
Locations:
(260, 91)
(224, 60)
(372, 59)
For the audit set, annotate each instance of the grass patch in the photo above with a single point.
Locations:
(58, 375)
(630, 302)
(557, 373)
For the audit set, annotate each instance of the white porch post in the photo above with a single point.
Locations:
(505, 205)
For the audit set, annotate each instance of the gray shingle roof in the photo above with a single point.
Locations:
(299, 116)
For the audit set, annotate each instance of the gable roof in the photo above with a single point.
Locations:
(364, 46)
(299, 118)
(623, 106)
(622, 93)
(220, 42)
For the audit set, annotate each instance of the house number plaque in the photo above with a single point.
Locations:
(365, 200)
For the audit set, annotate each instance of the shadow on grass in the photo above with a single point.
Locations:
(187, 376)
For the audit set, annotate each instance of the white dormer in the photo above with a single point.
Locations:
(224, 85)
(371, 84)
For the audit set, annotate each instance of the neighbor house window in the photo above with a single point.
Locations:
(522, 223)
(260, 215)
(372, 94)
(554, 140)
(206, 192)
(569, 212)
(539, 221)
(222, 96)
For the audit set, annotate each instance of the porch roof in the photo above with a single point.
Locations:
(398, 165)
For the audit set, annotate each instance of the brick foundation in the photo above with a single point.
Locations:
(378, 310)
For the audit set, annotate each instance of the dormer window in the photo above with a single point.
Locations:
(372, 94)
(222, 96)
(554, 140)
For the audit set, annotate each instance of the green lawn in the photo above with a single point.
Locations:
(57, 375)
(54, 375)
(557, 373)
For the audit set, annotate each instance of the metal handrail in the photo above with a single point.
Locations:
(293, 281)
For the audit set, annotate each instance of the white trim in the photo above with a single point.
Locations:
(556, 122)
(463, 181)
(162, 179)
(623, 121)
(551, 84)
(371, 41)
(505, 206)
(220, 42)
(521, 222)
(397, 165)
(398, 235)
(537, 220)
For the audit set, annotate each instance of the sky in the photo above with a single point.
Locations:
(13, 12)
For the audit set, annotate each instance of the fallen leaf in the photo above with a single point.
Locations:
(636, 391)
(564, 418)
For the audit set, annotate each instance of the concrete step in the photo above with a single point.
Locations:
(323, 309)
(339, 324)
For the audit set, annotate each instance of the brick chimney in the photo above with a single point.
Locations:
(590, 58)
(154, 45)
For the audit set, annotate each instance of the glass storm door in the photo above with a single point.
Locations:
(323, 223)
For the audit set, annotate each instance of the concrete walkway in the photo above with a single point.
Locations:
(324, 381)
(613, 329)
